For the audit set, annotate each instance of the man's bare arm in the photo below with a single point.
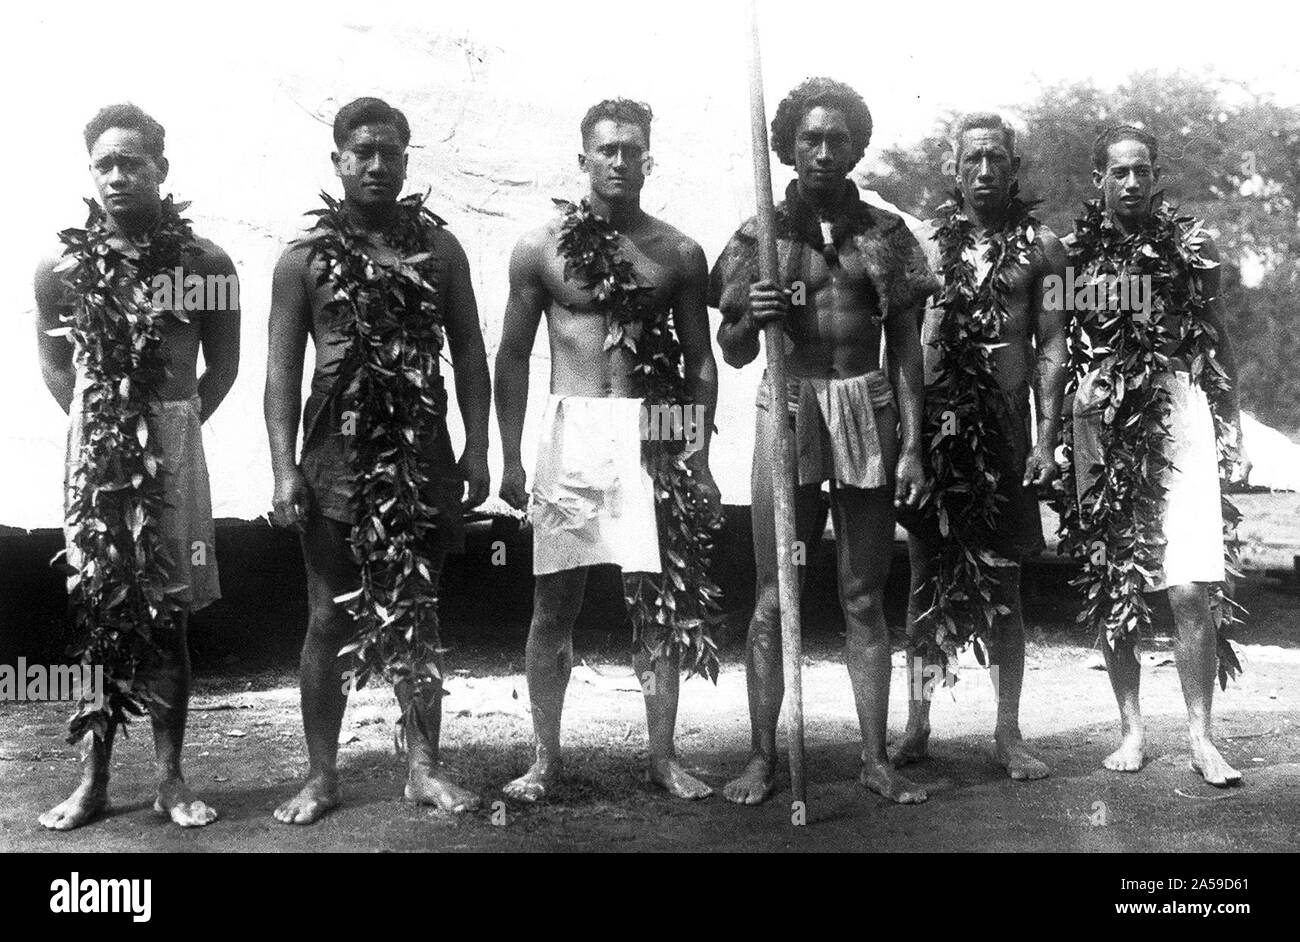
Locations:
(282, 401)
(469, 364)
(691, 317)
(219, 335)
(738, 339)
(468, 354)
(1049, 326)
(55, 353)
(1223, 352)
(528, 298)
(906, 373)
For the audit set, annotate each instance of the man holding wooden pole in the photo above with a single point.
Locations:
(848, 274)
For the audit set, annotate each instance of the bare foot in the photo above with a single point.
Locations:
(669, 774)
(541, 777)
(85, 804)
(319, 794)
(913, 747)
(1013, 755)
(1128, 757)
(754, 785)
(181, 805)
(881, 778)
(1207, 763)
(430, 786)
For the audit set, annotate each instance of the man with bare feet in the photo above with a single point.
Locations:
(1153, 384)
(850, 274)
(987, 337)
(139, 295)
(624, 296)
(373, 264)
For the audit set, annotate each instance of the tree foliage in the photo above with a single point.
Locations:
(1229, 155)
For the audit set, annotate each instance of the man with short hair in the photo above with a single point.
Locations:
(987, 337)
(624, 298)
(337, 286)
(850, 276)
(139, 526)
(1150, 383)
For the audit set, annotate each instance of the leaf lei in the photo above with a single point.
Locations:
(393, 331)
(1120, 512)
(966, 394)
(121, 594)
(677, 606)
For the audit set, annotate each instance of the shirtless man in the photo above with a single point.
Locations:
(1033, 353)
(595, 402)
(859, 274)
(128, 168)
(1125, 171)
(315, 496)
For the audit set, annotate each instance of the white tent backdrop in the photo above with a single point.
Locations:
(494, 92)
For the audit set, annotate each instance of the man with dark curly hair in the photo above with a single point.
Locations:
(850, 275)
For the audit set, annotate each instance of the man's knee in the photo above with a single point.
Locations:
(765, 622)
(863, 604)
(328, 622)
(1190, 605)
(552, 621)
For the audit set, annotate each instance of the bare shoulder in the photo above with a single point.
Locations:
(46, 275)
(682, 247)
(208, 258)
(1050, 247)
(50, 283)
(531, 247)
(444, 242)
(295, 259)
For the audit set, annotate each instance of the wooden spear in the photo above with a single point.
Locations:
(782, 459)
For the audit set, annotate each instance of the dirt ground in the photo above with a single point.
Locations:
(244, 754)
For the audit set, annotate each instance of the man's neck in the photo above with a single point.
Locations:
(822, 200)
(988, 218)
(134, 225)
(623, 215)
(372, 218)
(1130, 224)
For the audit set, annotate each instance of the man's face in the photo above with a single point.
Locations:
(616, 158)
(985, 168)
(372, 165)
(1127, 181)
(823, 151)
(126, 176)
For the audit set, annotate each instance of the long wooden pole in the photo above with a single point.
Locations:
(782, 459)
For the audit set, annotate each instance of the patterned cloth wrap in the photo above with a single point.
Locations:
(185, 523)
